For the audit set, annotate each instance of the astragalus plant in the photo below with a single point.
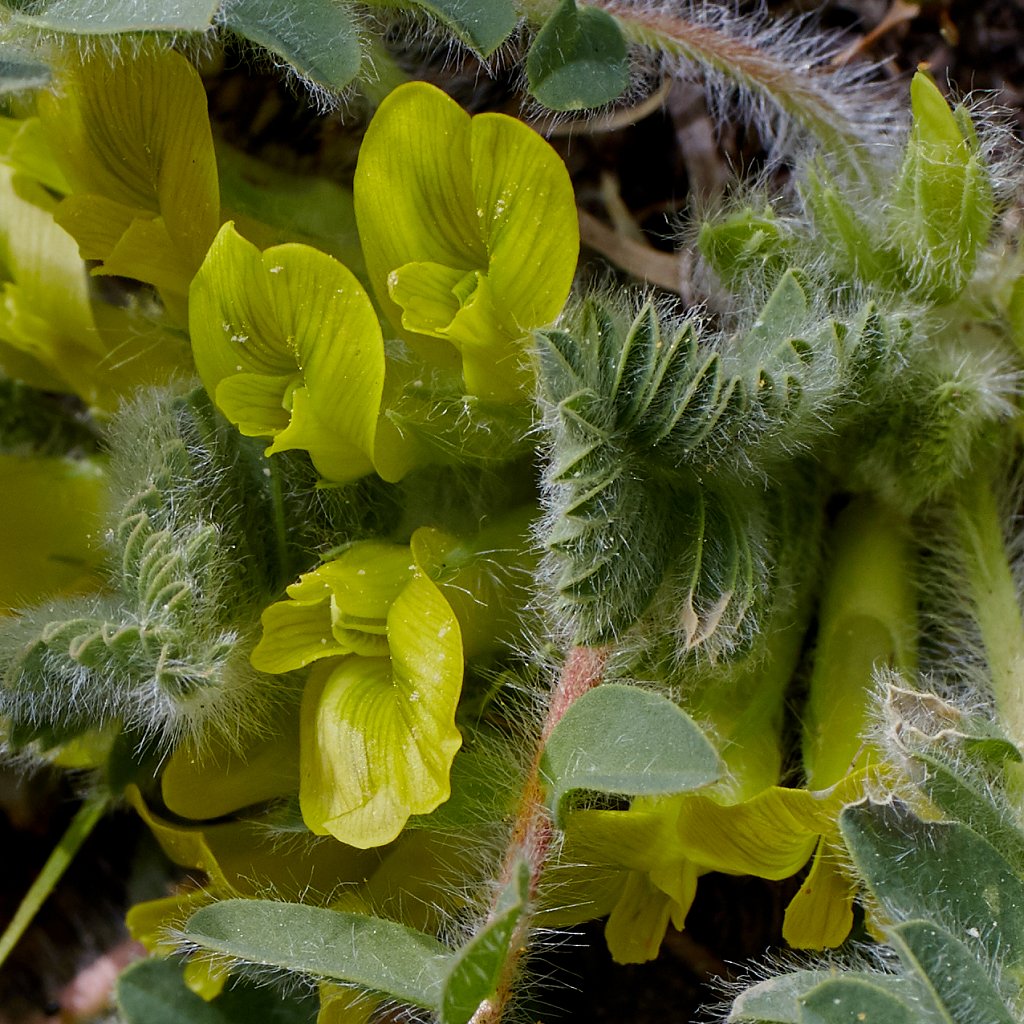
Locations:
(427, 599)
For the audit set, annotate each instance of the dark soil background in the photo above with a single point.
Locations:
(635, 182)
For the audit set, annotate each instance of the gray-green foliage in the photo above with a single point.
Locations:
(195, 553)
(665, 439)
(954, 908)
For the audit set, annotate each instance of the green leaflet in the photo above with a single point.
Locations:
(106, 17)
(288, 345)
(136, 147)
(154, 991)
(627, 741)
(482, 24)
(578, 59)
(319, 39)
(778, 1000)
(950, 975)
(477, 968)
(853, 1001)
(370, 952)
(942, 871)
(469, 230)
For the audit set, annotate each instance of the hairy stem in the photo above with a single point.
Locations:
(532, 829)
(779, 74)
(993, 593)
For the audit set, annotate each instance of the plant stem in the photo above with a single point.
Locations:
(800, 84)
(56, 864)
(532, 829)
(994, 595)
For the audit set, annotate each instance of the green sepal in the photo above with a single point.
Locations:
(318, 40)
(107, 17)
(482, 24)
(370, 952)
(854, 248)
(476, 969)
(943, 201)
(623, 740)
(578, 60)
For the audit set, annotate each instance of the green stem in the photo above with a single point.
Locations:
(56, 864)
(994, 595)
(813, 96)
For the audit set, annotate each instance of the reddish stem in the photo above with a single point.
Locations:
(533, 829)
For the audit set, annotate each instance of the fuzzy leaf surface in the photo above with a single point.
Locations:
(370, 952)
(950, 974)
(941, 871)
(777, 1000)
(624, 740)
(482, 24)
(105, 17)
(320, 40)
(853, 1001)
(578, 59)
